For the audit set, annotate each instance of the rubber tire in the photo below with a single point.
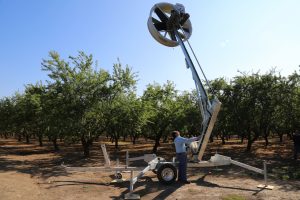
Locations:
(159, 174)
(118, 175)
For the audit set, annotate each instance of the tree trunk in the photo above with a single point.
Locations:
(54, 142)
(280, 137)
(134, 139)
(41, 140)
(251, 139)
(165, 140)
(242, 138)
(290, 136)
(154, 150)
(217, 135)
(266, 141)
(27, 138)
(112, 139)
(116, 143)
(249, 145)
(223, 139)
(227, 137)
(86, 146)
(116, 138)
(211, 139)
(266, 135)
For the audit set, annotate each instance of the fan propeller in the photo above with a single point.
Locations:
(165, 19)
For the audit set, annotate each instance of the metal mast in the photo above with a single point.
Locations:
(173, 28)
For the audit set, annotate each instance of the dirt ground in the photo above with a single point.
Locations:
(30, 172)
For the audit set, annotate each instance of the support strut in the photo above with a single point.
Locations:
(209, 110)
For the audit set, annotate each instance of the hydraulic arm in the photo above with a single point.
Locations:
(209, 109)
(173, 28)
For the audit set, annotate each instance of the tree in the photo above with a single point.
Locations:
(84, 97)
(33, 110)
(158, 102)
(123, 86)
(6, 116)
(225, 124)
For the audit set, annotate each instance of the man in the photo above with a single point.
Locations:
(180, 146)
(296, 138)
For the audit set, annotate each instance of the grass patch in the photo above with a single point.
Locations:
(233, 197)
(286, 172)
(285, 177)
(193, 191)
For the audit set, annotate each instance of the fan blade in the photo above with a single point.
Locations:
(181, 35)
(186, 29)
(162, 16)
(184, 18)
(160, 26)
(155, 21)
(172, 35)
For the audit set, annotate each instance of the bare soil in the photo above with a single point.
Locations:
(30, 172)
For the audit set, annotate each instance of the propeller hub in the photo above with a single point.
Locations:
(173, 22)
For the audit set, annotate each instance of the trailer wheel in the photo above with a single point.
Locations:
(118, 175)
(167, 174)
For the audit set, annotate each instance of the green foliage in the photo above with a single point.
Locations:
(233, 197)
(286, 172)
(86, 100)
(255, 105)
(159, 102)
(79, 103)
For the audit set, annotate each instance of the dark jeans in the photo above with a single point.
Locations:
(182, 158)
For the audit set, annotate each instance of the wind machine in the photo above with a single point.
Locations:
(170, 25)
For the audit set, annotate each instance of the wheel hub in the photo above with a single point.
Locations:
(167, 174)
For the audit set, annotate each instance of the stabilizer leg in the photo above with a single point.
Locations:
(216, 105)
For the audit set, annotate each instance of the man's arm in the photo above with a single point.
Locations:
(189, 140)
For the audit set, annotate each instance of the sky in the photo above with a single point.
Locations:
(228, 36)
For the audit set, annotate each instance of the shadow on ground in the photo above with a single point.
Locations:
(43, 162)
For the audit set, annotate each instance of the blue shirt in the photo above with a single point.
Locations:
(180, 143)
